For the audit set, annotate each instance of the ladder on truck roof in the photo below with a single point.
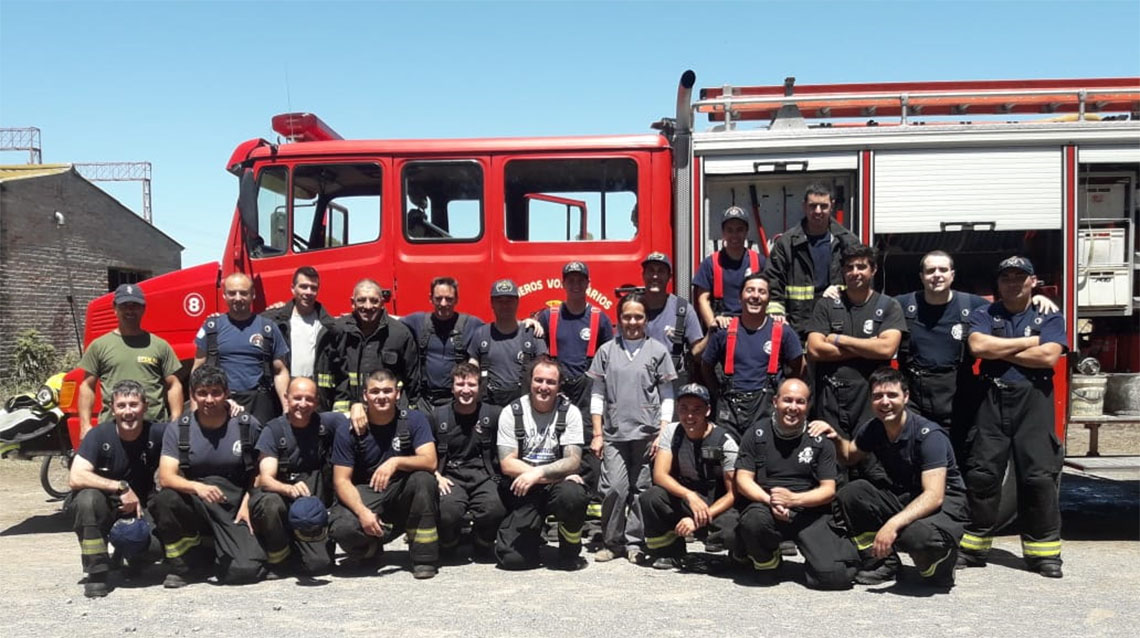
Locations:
(911, 99)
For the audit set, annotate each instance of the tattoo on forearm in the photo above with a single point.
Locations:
(567, 465)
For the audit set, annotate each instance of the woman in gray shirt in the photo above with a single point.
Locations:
(631, 399)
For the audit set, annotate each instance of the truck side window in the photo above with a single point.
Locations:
(571, 200)
(443, 201)
(336, 205)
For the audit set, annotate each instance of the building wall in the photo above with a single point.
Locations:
(99, 233)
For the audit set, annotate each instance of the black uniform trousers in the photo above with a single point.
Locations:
(182, 519)
(93, 513)
(262, 403)
(865, 508)
(519, 537)
(409, 504)
(846, 404)
(950, 398)
(831, 560)
(577, 389)
(661, 511)
(1016, 420)
(474, 490)
(739, 412)
(269, 513)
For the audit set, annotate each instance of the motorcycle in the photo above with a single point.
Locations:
(30, 427)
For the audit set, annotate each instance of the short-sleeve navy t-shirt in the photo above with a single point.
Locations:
(922, 445)
(503, 355)
(302, 447)
(819, 246)
(661, 323)
(364, 454)
(132, 461)
(797, 464)
(441, 355)
(996, 320)
(574, 335)
(213, 452)
(936, 333)
(863, 321)
(239, 349)
(734, 271)
(752, 354)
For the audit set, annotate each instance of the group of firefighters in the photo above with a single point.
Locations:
(764, 420)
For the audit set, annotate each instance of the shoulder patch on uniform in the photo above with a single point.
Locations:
(759, 432)
(837, 302)
(526, 344)
(211, 324)
(878, 312)
(806, 455)
(236, 449)
(1028, 331)
(868, 326)
(106, 447)
(911, 308)
(584, 334)
(1037, 320)
(443, 426)
(924, 431)
(956, 331)
(965, 312)
(768, 347)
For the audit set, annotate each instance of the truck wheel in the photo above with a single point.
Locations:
(54, 473)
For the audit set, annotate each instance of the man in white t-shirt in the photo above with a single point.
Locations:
(303, 322)
(540, 450)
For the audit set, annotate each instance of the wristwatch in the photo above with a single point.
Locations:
(124, 487)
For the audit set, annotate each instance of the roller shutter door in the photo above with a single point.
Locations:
(930, 191)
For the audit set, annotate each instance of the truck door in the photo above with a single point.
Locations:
(770, 188)
(326, 215)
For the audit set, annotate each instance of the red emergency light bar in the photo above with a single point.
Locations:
(304, 127)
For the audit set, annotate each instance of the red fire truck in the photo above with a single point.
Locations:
(1045, 168)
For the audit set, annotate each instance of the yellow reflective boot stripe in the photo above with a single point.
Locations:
(865, 540)
(278, 556)
(664, 540)
(1041, 548)
(311, 538)
(571, 537)
(92, 546)
(594, 510)
(772, 563)
(423, 535)
(800, 293)
(975, 543)
(177, 549)
(929, 571)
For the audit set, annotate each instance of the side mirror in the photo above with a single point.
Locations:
(247, 211)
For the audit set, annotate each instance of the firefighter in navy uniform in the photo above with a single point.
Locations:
(805, 261)
(716, 286)
(785, 479)
(848, 338)
(670, 319)
(574, 331)
(467, 468)
(367, 340)
(112, 478)
(443, 337)
(921, 509)
(540, 450)
(504, 348)
(1018, 347)
(207, 468)
(933, 353)
(692, 482)
(738, 362)
(384, 482)
(294, 470)
(248, 348)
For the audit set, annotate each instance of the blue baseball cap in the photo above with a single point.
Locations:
(734, 212)
(657, 258)
(131, 536)
(504, 288)
(1016, 263)
(308, 515)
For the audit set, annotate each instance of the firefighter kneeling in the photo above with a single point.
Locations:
(384, 482)
(786, 479)
(923, 509)
(289, 508)
(692, 482)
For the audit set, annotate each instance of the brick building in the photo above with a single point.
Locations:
(100, 245)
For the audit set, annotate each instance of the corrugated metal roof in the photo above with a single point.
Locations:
(24, 171)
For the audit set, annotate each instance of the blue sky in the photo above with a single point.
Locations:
(180, 84)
